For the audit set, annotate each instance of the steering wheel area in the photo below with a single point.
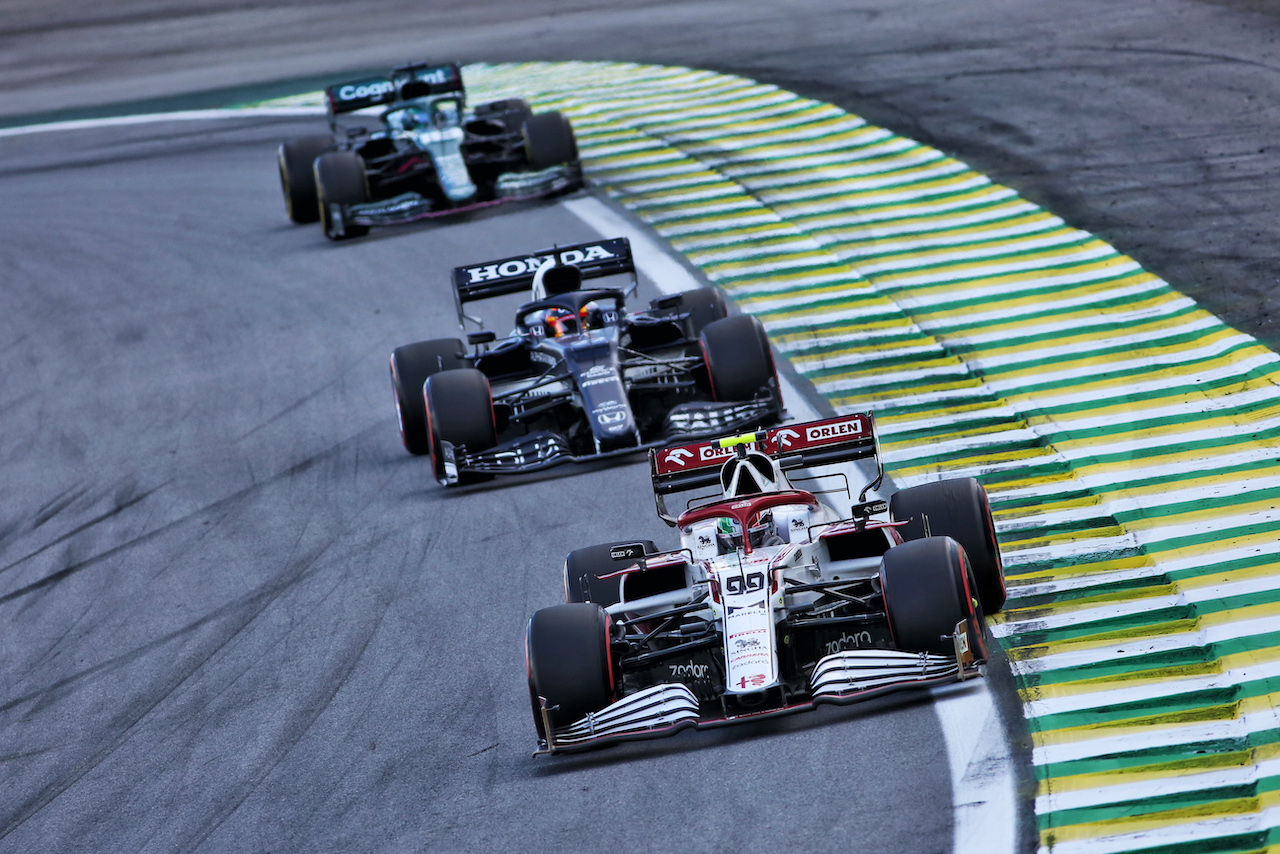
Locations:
(571, 313)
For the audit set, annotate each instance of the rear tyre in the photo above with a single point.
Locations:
(549, 140)
(569, 664)
(340, 180)
(583, 566)
(926, 593)
(410, 367)
(704, 305)
(297, 159)
(739, 362)
(459, 411)
(957, 509)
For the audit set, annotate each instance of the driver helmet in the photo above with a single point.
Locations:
(560, 322)
(761, 531)
(591, 316)
(445, 114)
(728, 535)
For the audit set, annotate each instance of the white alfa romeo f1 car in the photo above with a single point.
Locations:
(779, 598)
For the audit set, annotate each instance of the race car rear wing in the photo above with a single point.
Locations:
(405, 83)
(696, 466)
(513, 275)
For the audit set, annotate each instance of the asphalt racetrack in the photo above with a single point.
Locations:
(234, 615)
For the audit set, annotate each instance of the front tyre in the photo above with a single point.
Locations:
(957, 509)
(704, 306)
(340, 180)
(739, 361)
(549, 141)
(459, 411)
(569, 663)
(410, 367)
(927, 591)
(297, 159)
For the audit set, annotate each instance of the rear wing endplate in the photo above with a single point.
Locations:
(696, 466)
(512, 275)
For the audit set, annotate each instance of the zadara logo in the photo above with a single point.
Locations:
(525, 266)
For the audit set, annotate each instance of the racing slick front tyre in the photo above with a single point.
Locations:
(582, 568)
(739, 361)
(704, 305)
(927, 591)
(459, 409)
(549, 140)
(297, 158)
(340, 180)
(957, 509)
(410, 367)
(568, 659)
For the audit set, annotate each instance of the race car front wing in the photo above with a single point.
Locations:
(840, 678)
(542, 450)
(414, 207)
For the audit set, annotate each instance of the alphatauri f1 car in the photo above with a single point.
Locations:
(579, 377)
(778, 599)
(430, 157)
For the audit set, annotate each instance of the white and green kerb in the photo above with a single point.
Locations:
(1127, 438)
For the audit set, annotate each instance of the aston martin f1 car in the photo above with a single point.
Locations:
(430, 157)
(778, 599)
(580, 377)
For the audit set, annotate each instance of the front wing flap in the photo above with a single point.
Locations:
(414, 207)
(840, 678)
(543, 450)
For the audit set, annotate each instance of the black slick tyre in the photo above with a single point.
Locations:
(297, 159)
(549, 140)
(704, 306)
(459, 411)
(957, 509)
(582, 568)
(410, 367)
(569, 663)
(739, 361)
(926, 593)
(340, 180)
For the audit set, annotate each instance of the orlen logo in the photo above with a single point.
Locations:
(521, 267)
(711, 452)
(852, 427)
(365, 90)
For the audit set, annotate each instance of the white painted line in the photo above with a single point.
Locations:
(982, 787)
(153, 118)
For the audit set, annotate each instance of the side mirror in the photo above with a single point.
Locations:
(475, 339)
